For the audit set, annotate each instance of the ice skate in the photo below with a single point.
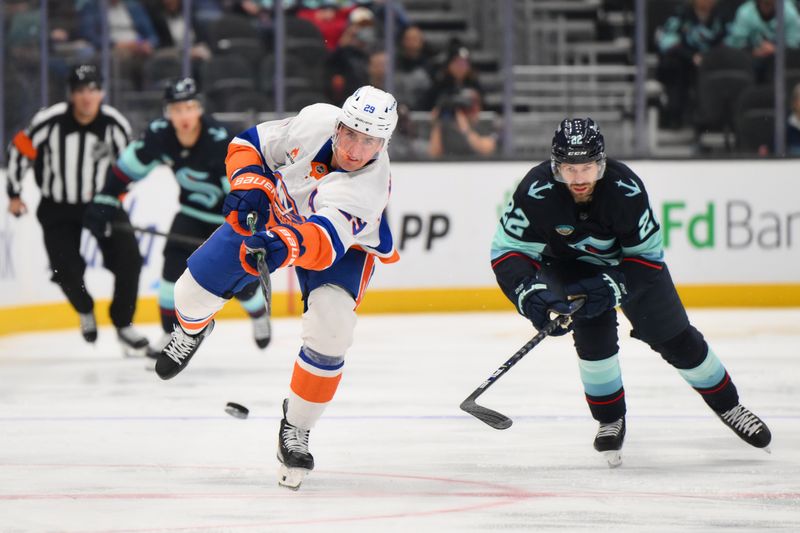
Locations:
(88, 326)
(133, 343)
(179, 350)
(262, 330)
(608, 441)
(747, 426)
(296, 461)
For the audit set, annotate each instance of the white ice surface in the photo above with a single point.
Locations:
(92, 442)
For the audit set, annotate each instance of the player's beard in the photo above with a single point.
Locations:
(584, 196)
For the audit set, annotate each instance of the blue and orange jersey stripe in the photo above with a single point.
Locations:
(366, 275)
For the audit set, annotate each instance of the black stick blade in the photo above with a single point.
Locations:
(486, 415)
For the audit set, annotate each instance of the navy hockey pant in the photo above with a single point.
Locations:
(175, 255)
(659, 319)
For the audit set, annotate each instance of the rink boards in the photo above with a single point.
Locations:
(731, 229)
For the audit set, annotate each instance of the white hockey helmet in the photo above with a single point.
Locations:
(370, 111)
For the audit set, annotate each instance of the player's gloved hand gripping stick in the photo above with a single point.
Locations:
(491, 417)
(263, 271)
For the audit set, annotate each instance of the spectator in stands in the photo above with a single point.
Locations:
(346, 69)
(23, 33)
(376, 70)
(754, 29)
(133, 38)
(793, 124)
(361, 27)
(685, 36)
(406, 144)
(169, 25)
(456, 129)
(252, 8)
(378, 8)
(65, 41)
(456, 74)
(409, 87)
(414, 52)
(330, 18)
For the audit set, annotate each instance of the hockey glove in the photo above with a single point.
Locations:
(239, 203)
(278, 246)
(99, 213)
(602, 293)
(537, 302)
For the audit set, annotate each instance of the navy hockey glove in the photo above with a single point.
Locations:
(239, 203)
(278, 246)
(99, 213)
(536, 302)
(602, 292)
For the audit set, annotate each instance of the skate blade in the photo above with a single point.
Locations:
(614, 458)
(133, 353)
(291, 478)
(767, 449)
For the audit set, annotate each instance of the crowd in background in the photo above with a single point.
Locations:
(334, 46)
(737, 40)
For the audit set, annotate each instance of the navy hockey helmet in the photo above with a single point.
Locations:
(576, 141)
(181, 90)
(85, 75)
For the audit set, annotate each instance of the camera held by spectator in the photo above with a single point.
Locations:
(449, 103)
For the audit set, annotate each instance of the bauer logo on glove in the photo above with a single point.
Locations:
(280, 247)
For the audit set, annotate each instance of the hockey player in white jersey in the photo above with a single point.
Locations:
(319, 183)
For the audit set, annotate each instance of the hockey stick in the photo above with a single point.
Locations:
(491, 417)
(177, 237)
(263, 271)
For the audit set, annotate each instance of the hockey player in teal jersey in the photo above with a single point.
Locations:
(194, 146)
(581, 225)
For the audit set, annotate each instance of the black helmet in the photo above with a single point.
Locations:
(84, 76)
(577, 140)
(181, 90)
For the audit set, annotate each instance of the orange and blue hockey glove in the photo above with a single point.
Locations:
(239, 203)
(280, 246)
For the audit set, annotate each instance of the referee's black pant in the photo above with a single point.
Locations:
(62, 225)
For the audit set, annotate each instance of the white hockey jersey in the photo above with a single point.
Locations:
(348, 206)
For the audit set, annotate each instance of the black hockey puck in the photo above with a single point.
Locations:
(236, 410)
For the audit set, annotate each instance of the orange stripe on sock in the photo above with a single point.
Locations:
(313, 388)
(193, 327)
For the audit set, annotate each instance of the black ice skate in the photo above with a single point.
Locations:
(262, 331)
(155, 348)
(179, 350)
(296, 461)
(88, 326)
(133, 343)
(748, 426)
(609, 439)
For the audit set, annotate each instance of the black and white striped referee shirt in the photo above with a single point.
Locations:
(69, 160)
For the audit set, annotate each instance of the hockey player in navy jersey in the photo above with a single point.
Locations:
(194, 146)
(581, 226)
(319, 183)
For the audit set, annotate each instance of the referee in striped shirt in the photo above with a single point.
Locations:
(70, 146)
